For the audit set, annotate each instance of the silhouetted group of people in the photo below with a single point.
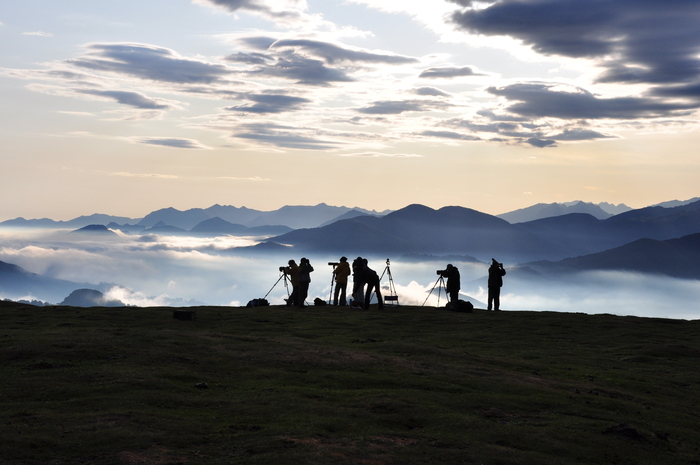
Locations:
(300, 277)
(364, 276)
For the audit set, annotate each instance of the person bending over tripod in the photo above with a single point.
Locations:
(358, 286)
(293, 272)
(371, 278)
(341, 272)
(453, 282)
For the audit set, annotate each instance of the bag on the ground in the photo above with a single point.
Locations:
(319, 301)
(460, 306)
(258, 303)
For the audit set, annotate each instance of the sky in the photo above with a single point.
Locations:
(128, 107)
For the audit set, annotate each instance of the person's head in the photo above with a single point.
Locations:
(291, 262)
(449, 266)
(343, 259)
(494, 262)
(304, 260)
(364, 261)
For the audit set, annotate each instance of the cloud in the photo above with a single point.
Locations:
(282, 136)
(270, 103)
(380, 154)
(578, 134)
(76, 113)
(539, 143)
(303, 70)
(447, 73)
(149, 62)
(449, 135)
(144, 175)
(249, 58)
(177, 143)
(333, 53)
(430, 91)
(654, 42)
(540, 100)
(257, 42)
(508, 129)
(38, 34)
(133, 99)
(277, 9)
(395, 107)
(495, 117)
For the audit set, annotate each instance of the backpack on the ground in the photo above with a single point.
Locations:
(258, 303)
(460, 306)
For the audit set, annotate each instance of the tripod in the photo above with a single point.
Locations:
(330, 296)
(440, 281)
(393, 296)
(286, 284)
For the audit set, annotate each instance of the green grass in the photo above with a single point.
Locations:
(326, 385)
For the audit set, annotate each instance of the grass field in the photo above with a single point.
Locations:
(406, 385)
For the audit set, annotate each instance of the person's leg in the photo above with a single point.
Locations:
(490, 301)
(303, 292)
(294, 297)
(380, 300)
(368, 295)
(336, 293)
(343, 290)
(497, 298)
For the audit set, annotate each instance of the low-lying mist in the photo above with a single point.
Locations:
(177, 271)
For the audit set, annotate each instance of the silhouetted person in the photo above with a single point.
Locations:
(358, 286)
(453, 282)
(293, 272)
(371, 278)
(496, 273)
(305, 270)
(341, 272)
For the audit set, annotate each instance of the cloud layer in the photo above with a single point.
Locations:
(301, 85)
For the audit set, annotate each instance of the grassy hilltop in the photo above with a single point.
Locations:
(407, 385)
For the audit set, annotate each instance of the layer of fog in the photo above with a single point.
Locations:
(160, 270)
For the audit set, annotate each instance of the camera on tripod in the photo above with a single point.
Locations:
(334, 264)
(282, 268)
(442, 273)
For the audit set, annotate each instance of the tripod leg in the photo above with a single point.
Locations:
(273, 286)
(431, 291)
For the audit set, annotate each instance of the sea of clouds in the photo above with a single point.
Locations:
(156, 270)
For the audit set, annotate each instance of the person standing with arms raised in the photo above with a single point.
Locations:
(496, 273)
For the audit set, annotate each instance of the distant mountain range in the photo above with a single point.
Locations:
(546, 210)
(291, 217)
(294, 217)
(420, 229)
(458, 230)
(678, 258)
(581, 234)
(75, 223)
